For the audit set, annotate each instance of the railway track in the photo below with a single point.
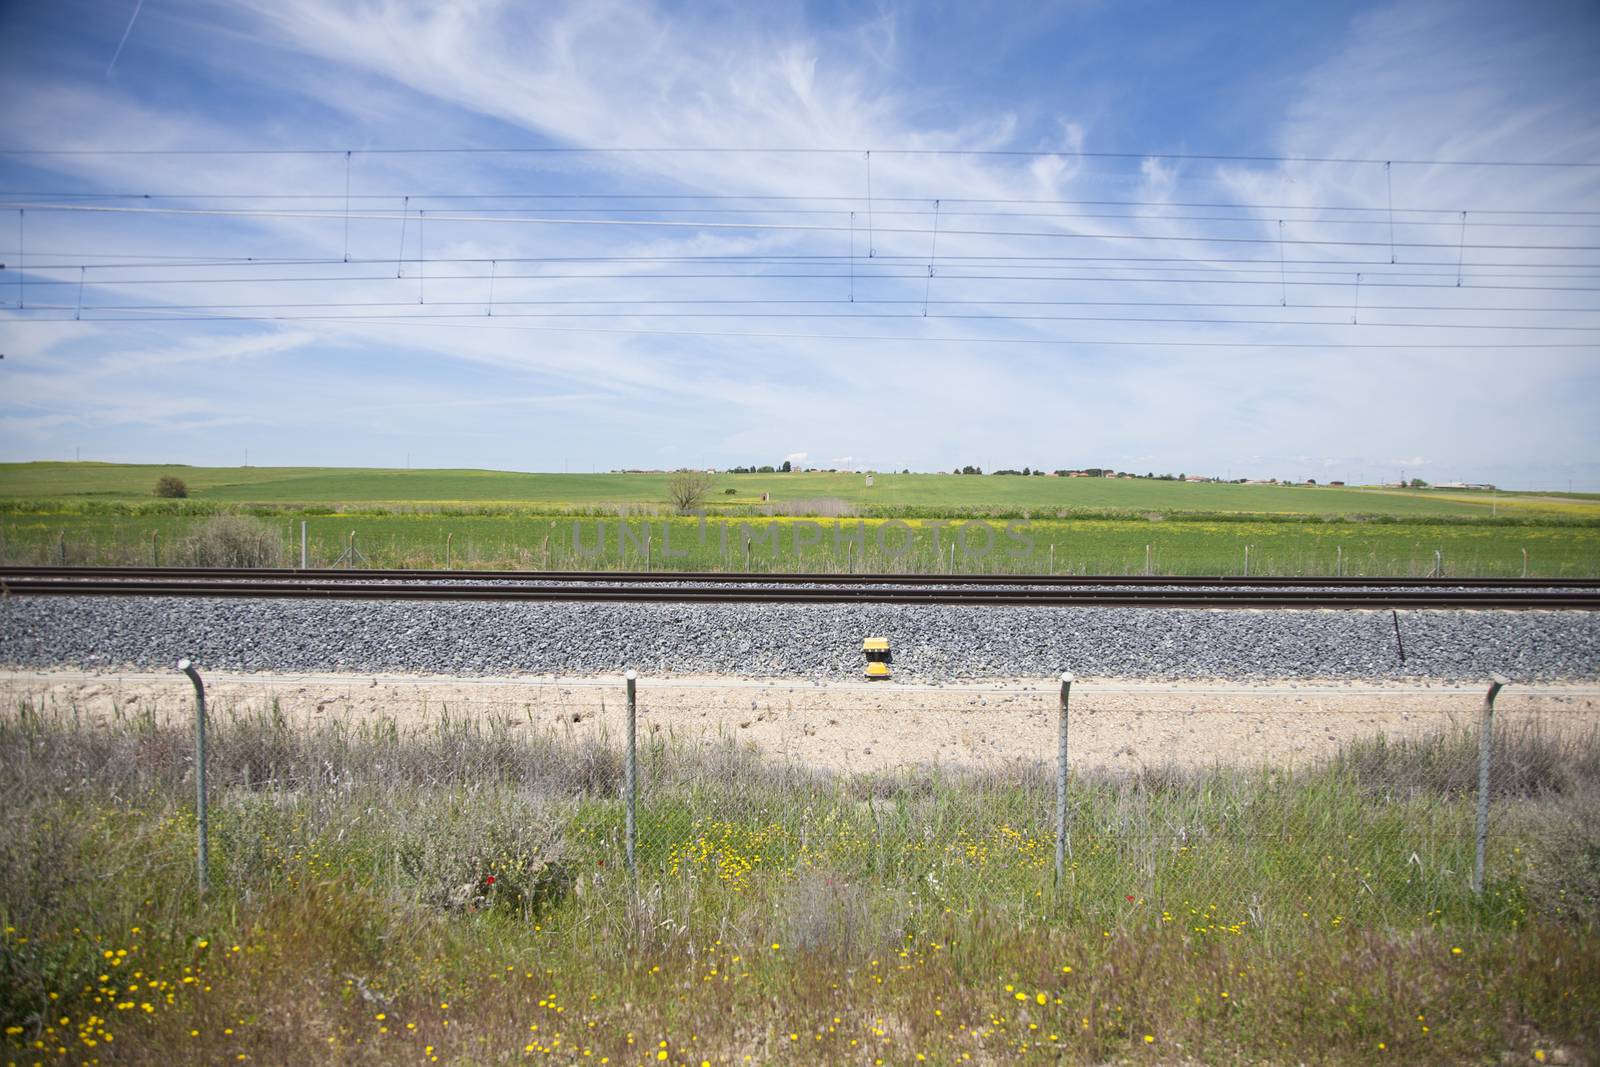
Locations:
(721, 587)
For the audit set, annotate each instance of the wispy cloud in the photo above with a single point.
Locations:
(625, 383)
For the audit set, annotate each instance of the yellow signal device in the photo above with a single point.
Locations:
(876, 650)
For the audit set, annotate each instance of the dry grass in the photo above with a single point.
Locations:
(455, 890)
(233, 541)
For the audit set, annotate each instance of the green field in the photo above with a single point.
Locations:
(936, 492)
(94, 513)
(1090, 546)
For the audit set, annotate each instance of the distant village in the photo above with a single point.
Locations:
(786, 467)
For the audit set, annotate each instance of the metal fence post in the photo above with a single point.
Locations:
(302, 544)
(1247, 561)
(630, 785)
(1338, 562)
(1147, 561)
(199, 767)
(1061, 780)
(1485, 749)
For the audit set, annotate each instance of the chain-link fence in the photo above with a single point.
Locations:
(1218, 811)
(1214, 840)
(621, 540)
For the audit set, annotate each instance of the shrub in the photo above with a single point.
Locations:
(235, 541)
(170, 487)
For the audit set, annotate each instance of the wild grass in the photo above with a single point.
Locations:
(456, 892)
(809, 539)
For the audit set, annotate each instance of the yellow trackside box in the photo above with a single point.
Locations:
(876, 650)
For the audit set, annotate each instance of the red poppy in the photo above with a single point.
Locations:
(1130, 895)
(490, 881)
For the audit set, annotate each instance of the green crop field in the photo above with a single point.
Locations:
(999, 493)
(1090, 546)
(97, 514)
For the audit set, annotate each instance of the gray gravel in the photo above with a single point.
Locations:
(931, 643)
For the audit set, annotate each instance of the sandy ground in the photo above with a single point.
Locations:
(859, 726)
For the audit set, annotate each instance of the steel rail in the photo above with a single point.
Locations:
(357, 589)
(664, 577)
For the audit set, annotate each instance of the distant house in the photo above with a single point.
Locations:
(1337, 485)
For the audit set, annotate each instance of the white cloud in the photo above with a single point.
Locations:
(1411, 83)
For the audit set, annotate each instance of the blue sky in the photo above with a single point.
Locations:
(729, 321)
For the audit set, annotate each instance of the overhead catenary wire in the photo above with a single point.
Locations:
(791, 150)
(158, 261)
(791, 301)
(856, 316)
(1539, 257)
(461, 321)
(1275, 283)
(1449, 212)
(530, 220)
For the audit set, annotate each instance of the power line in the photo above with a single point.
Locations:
(1339, 267)
(1339, 273)
(912, 275)
(792, 197)
(360, 214)
(477, 322)
(792, 301)
(999, 153)
(611, 314)
(785, 227)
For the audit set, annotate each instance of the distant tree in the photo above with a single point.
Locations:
(786, 468)
(687, 490)
(766, 470)
(170, 487)
(1418, 483)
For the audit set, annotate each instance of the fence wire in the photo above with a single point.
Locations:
(926, 799)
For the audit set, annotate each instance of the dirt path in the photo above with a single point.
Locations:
(857, 727)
